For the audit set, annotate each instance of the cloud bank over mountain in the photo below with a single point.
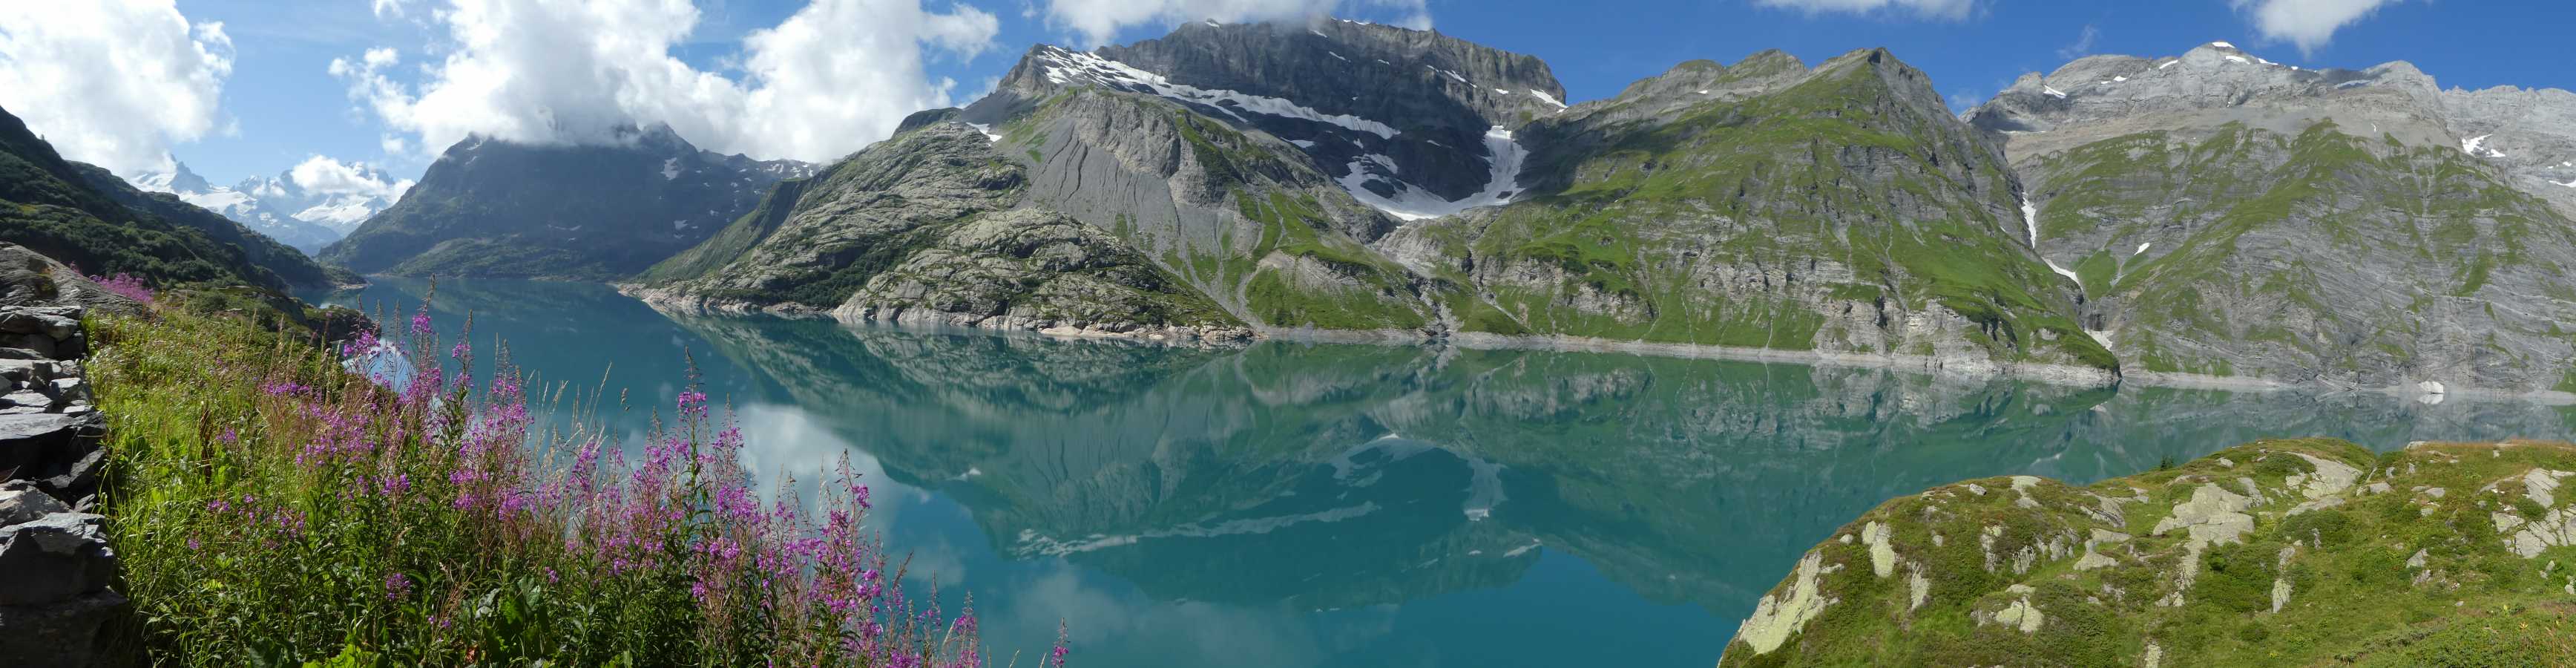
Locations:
(829, 79)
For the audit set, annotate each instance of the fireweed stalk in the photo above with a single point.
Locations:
(273, 508)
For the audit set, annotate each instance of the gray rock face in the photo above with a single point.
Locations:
(916, 230)
(2231, 216)
(1421, 100)
(1033, 269)
(2528, 133)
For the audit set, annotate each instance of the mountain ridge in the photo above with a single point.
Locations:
(84, 216)
(1763, 209)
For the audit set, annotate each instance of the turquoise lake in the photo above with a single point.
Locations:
(1293, 504)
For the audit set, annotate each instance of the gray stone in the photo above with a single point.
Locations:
(22, 321)
(28, 371)
(56, 558)
(46, 444)
(39, 343)
(57, 635)
(68, 390)
(22, 502)
(27, 398)
(79, 478)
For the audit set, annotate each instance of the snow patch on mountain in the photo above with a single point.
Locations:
(2477, 146)
(670, 169)
(1068, 66)
(2030, 221)
(1411, 203)
(1550, 99)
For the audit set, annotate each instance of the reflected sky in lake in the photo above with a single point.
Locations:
(1296, 504)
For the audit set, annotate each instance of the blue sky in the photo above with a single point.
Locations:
(280, 103)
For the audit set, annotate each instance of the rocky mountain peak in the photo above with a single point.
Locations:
(1909, 84)
(2213, 84)
(1412, 122)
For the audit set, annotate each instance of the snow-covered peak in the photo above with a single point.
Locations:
(1070, 67)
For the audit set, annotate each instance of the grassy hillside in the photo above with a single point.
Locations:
(2273, 553)
(78, 214)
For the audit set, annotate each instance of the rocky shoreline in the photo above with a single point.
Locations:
(1949, 366)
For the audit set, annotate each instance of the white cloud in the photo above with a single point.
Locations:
(2083, 43)
(326, 176)
(826, 81)
(2306, 23)
(1096, 22)
(113, 82)
(1951, 10)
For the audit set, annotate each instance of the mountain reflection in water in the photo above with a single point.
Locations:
(1298, 504)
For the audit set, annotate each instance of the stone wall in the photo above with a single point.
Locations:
(55, 563)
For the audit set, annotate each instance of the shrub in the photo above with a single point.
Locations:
(272, 508)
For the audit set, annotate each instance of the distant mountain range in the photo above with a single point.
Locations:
(278, 206)
(496, 208)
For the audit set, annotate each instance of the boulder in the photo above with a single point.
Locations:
(22, 502)
(45, 445)
(29, 321)
(54, 559)
(30, 279)
(59, 635)
(79, 478)
(39, 343)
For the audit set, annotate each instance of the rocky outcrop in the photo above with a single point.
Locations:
(920, 230)
(29, 279)
(2293, 551)
(1029, 269)
(55, 563)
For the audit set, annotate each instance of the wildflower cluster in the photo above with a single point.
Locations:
(274, 507)
(128, 285)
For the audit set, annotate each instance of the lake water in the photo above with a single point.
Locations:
(1297, 504)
